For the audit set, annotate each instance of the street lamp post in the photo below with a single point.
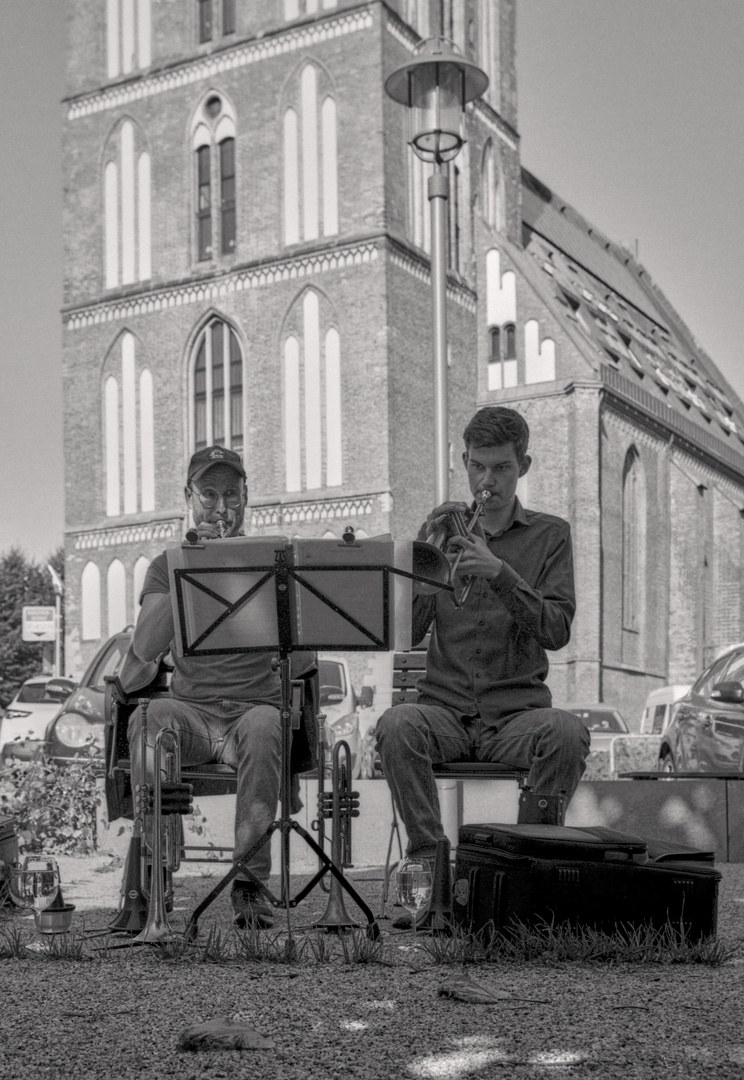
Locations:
(59, 591)
(436, 85)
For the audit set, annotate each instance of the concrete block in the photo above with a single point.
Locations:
(735, 805)
(689, 812)
(213, 827)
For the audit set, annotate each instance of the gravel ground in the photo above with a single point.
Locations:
(122, 1012)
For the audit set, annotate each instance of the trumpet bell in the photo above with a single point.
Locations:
(429, 562)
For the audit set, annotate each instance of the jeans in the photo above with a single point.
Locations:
(237, 733)
(551, 743)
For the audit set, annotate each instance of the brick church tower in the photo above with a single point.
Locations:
(247, 263)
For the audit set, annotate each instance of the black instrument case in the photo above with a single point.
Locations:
(588, 876)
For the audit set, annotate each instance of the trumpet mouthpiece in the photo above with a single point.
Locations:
(221, 528)
(485, 495)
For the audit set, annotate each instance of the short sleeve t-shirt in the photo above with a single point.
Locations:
(240, 677)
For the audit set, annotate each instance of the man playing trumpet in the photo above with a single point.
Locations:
(484, 696)
(224, 708)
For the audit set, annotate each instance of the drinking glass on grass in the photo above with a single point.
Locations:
(414, 882)
(35, 885)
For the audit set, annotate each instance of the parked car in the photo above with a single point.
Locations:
(339, 702)
(28, 714)
(77, 729)
(706, 732)
(603, 722)
(657, 712)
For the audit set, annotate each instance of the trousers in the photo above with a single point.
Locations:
(237, 733)
(551, 743)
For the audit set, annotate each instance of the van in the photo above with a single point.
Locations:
(657, 712)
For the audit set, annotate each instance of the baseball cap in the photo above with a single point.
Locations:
(213, 455)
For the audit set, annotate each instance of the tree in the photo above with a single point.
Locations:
(22, 582)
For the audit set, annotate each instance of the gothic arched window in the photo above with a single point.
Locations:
(126, 207)
(310, 158)
(213, 145)
(633, 534)
(129, 431)
(217, 388)
(313, 445)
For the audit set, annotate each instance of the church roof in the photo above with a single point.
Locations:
(644, 351)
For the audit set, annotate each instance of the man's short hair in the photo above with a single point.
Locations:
(495, 425)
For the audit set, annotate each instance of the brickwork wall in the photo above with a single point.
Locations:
(379, 299)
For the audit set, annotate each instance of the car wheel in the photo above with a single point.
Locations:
(666, 763)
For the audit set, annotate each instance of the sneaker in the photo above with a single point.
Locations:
(250, 906)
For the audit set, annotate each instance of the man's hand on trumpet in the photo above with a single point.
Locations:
(441, 517)
(476, 560)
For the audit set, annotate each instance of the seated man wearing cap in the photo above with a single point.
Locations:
(224, 708)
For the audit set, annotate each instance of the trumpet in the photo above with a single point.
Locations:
(163, 801)
(456, 523)
(341, 804)
(192, 536)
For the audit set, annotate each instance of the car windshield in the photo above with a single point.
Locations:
(32, 692)
(108, 664)
(602, 721)
(332, 682)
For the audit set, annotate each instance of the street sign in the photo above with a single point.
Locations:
(39, 624)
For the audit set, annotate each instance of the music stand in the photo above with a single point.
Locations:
(288, 631)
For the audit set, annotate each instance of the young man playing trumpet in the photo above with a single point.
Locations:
(483, 696)
(224, 708)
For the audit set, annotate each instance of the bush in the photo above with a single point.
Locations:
(631, 755)
(54, 806)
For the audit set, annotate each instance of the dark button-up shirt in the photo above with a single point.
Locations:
(488, 658)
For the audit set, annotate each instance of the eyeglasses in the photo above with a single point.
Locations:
(209, 498)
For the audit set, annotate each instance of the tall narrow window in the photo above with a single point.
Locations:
(488, 47)
(144, 268)
(90, 602)
(510, 342)
(228, 17)
(334, 443)
(128, 36)
(127, 210)
(217, 388)
(330, 168)
(292, 415)
(310, 159)
(291, 179)
(147, 442)
(309, 98)
(205, 20)
(111, 224)
(631, 530)
(312, 369)
(227, 195)
(216, 218)
(116, 590)
(111, 435)
(113, 54)
(128, 204)
(204, 203)
(313, 440)
(200, 397)
(138, 581)
(236, 394)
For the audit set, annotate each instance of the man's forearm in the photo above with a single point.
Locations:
(154, 630)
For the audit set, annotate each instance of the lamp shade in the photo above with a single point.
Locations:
(436, 85)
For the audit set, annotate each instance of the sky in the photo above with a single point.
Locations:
(631, 110)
